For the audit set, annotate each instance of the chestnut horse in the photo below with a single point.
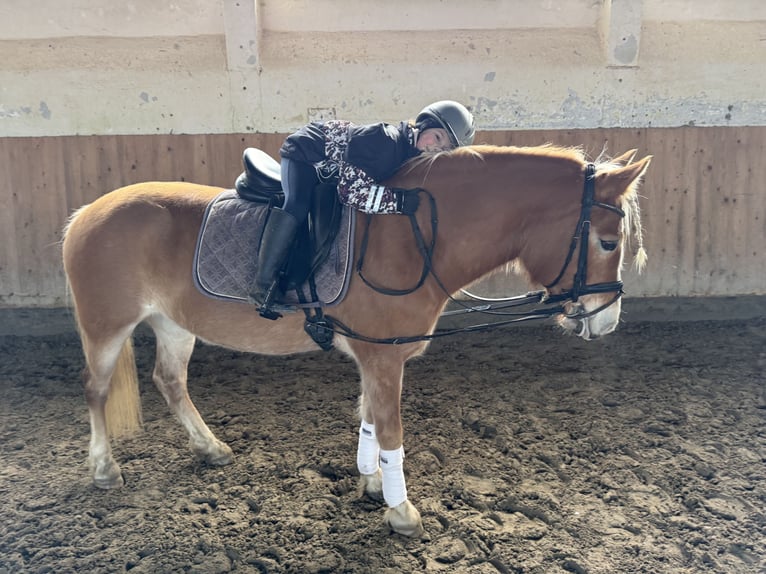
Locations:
(128, 259)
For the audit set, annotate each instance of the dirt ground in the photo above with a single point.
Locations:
(527, 451)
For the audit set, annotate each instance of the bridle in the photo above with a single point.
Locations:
(321, 327)
(581, 237)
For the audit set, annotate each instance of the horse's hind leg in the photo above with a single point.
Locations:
(174, 349)
(102, 356)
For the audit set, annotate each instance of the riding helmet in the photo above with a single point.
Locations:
(453, 117)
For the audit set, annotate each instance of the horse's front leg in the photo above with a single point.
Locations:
(380, 454)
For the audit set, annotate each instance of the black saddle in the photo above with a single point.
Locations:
(261, 182)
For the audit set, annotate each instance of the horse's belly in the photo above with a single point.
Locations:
(238, 326)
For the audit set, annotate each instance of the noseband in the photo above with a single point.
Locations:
(581, 236)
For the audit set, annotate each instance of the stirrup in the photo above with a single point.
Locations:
(270, 309)
(268, 313)
(266, 308)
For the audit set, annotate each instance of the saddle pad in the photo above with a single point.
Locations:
(225, 259)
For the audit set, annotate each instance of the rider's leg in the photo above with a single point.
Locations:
(298, 180)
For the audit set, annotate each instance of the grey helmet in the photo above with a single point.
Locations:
(453, 117)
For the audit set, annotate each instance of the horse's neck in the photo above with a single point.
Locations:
(483, 221)
(474, 241)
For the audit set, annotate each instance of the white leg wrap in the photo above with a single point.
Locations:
(394, 487)
(368, 451)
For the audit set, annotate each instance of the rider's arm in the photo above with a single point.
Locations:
(359, 190)
(374, 153)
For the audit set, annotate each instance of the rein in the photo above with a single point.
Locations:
(581, 235)
(426, 251)
(533, 297)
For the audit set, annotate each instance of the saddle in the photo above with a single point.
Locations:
(319, 266)
(261, 183)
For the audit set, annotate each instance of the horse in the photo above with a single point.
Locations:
(128, 259)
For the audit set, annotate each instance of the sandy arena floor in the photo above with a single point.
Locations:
(527, 451)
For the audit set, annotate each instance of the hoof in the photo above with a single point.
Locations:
(110, 479)
(371, 485)
(405, 520)
(219, 455)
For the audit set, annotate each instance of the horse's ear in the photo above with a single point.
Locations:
(626, 158)
(617, 182)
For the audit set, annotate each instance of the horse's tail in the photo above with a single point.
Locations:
(123, 407)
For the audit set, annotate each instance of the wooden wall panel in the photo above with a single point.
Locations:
(704, 206)
(43, 180)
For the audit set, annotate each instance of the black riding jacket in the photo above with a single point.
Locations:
(363, 156)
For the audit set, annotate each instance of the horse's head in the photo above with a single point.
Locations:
(561, 221)
(595, 228)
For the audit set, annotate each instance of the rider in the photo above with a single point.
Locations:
(360, 157)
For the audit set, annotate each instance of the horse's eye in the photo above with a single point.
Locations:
(608, 245)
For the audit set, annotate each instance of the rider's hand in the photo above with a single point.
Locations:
(407, 200)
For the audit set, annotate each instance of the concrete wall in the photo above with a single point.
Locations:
(232, 66)
(95, 95)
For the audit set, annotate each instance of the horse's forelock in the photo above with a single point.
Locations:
(634, 236)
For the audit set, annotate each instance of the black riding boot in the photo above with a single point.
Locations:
(277, 239)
